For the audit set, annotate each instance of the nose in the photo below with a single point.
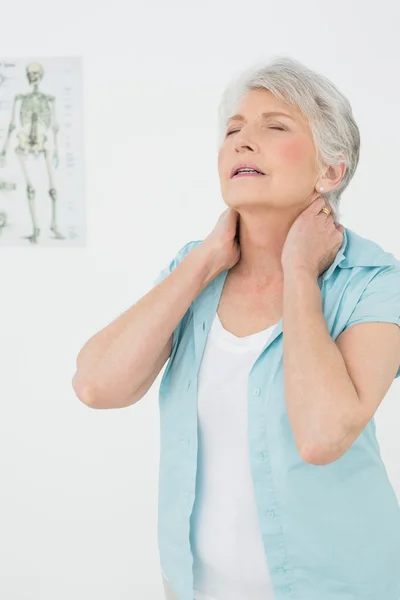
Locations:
(244, 140)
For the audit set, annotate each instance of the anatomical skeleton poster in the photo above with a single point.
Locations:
(42, 196)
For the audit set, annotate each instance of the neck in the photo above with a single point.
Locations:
(262, 236)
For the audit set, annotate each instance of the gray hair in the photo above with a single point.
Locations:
(327, 110)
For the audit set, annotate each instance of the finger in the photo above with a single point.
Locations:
(340, 228)
(317, 205)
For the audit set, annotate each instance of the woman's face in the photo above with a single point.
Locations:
(281, 146)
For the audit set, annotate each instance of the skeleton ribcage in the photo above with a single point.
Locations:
(35, 110)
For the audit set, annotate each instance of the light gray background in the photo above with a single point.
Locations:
(78, 494)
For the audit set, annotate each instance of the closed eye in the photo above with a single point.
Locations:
(233, 130)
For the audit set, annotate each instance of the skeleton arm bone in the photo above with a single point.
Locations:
(54, 125)
(11, 126)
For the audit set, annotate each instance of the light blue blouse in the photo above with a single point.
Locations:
(330, 532)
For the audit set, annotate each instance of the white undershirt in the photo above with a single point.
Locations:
(229, 557)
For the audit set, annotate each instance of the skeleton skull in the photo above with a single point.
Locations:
(34, 73)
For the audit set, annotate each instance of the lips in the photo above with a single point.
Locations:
(239, 166)
(246, 174)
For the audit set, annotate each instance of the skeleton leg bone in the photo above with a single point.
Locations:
(53, 196)
(30, 190)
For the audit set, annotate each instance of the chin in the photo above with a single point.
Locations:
(239, 200)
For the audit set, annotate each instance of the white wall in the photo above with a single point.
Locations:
(78, 493)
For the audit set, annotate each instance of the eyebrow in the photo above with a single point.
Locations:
(264, 115)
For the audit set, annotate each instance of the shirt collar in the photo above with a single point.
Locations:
(357, 251)
(340, 256)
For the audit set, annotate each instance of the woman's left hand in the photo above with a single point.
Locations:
(313, 240)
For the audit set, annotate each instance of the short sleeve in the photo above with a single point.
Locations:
(380, 300)
(165, 272)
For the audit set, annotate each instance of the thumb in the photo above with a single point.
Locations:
(340, 228)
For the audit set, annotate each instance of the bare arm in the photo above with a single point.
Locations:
(332, 389)
(117, 366)
(320, 397)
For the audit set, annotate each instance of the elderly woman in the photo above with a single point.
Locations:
(282, 332)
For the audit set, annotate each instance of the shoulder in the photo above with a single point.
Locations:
(364, 287)
(370, 287)
(371, 266)
(366, 254)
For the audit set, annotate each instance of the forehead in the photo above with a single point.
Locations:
(262, 103)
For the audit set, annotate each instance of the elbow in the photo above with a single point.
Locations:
(84, 391)
(318, 456)
(335, 447)
(94, 396)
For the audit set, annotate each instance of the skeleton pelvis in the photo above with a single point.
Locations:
(28, 143)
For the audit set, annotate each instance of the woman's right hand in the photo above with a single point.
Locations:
(223, 241)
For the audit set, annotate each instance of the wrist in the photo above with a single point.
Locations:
(299, 271)
(204, 259)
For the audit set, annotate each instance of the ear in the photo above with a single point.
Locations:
(333, 176)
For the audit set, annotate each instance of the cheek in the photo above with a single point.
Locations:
(295, 153)
(220, 161)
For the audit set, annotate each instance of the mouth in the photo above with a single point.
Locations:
(252, 174)
(246, 170)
